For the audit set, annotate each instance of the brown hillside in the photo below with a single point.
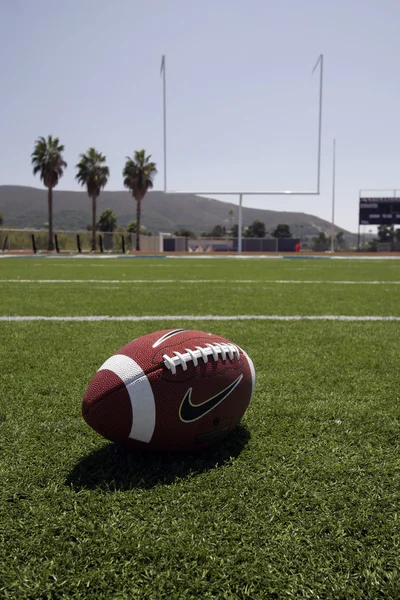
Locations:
(27, 207)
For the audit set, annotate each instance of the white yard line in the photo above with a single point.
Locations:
(84, 318)
(194, 256)
(194, 281)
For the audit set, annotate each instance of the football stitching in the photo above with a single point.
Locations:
(170, 363)
(215, 350)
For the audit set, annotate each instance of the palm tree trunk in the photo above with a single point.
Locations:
(138, 217)
(50, 244)
(93, 223)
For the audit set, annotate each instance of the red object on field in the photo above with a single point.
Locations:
(172, 390)
(297, 247)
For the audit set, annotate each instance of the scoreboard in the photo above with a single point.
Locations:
(379, 211)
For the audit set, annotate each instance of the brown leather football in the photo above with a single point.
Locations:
(171, 390)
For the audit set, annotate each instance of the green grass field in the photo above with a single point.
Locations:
(301, 501)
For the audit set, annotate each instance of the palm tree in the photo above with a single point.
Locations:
(94, 174)
(48, 161)
(138, 175)
(107, 221)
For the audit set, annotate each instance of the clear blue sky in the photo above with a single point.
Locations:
(242, 103)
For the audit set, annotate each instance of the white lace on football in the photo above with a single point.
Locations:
(215, 350)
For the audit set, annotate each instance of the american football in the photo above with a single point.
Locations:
(171, 390)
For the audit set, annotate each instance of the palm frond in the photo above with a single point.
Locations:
(47, 160)
(139, 174)
(92, 172)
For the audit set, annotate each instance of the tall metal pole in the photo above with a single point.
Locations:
(164, 74)
(320, 61)
(240, 224)
(333, 198)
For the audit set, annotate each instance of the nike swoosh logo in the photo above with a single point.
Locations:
(166, 336)
(189, 412)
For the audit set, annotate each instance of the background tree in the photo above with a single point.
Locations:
(255, 230)
(47, 160)
(1, 219)
(385, 233)
(231, 214)
(321, 242)
(94, 174)
(107, 221)
(340, 241)
(131, 228)
(138, 175)
(282, 231)
(218, 231)
(185, 233)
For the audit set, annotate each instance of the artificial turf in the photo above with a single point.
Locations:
(301, 501)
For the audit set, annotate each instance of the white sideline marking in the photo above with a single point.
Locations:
(190, 281)
(92, 318)
(194, 256)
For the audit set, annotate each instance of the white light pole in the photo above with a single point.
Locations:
(333, 198)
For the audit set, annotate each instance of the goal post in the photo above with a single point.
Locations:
(241, 193)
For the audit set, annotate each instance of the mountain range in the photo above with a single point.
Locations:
(26, 207)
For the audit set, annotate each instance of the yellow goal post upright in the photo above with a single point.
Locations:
(241, 193)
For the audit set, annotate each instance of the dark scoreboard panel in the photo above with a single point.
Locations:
(379, 211)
